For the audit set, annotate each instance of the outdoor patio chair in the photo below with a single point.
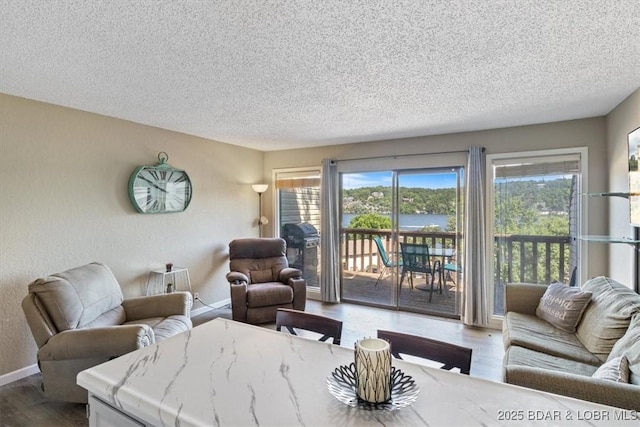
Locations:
(451, 268)
(450, 355)
(417, 259)
(386, 261)
(295, 319)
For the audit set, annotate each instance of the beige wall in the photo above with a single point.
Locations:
(63, 193)
(576, 133)
(622, 120)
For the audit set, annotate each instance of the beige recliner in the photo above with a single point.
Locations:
(79, 319)
(261, 280)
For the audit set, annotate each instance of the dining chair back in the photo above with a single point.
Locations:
(295, 319)
(450, 355)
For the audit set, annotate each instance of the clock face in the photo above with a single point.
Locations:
(158, 189)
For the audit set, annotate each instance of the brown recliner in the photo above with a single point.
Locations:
(261, 280)
(79, 319)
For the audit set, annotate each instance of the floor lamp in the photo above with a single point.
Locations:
(260, 188)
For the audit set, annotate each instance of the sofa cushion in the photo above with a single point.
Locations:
(607, 317)
(266, 294)
(616, 369)
(75, 298)
(629, 346)
(531, 332)
(521, 356)
(563, 306)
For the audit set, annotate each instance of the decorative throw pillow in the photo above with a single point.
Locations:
(616, 369)
(562, 306)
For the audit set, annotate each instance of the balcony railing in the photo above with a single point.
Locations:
(532, 259)
(517, 258)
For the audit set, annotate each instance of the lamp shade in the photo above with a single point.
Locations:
(260, 188)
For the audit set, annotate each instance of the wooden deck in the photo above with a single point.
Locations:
(360, 287)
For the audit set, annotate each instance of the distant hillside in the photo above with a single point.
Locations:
(412, 200)
(542, 196)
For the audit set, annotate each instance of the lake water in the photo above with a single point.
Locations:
(410, 222)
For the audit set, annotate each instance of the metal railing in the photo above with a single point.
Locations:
(517, 258)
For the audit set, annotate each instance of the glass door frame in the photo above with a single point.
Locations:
(455, 161)
(458, 238)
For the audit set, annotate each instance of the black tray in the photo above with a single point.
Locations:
(342, 385)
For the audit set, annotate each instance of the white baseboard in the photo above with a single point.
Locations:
(19, 374)
(209, 307)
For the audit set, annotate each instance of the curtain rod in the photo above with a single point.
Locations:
(403, 155)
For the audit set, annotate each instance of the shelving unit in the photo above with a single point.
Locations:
(634, 242)
(159, 279)
(609, 239)
(612, 194)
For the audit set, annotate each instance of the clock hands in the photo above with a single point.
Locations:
(154, 184)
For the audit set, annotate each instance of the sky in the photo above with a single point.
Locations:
(372, 179)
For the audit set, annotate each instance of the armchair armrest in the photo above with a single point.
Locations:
(237, 277)
(606, 392)
(162, 305)
(108, 341)
(289, 273)
(299, 293)
(239, 300)
(523, 297)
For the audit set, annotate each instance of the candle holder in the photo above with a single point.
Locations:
(373, 370)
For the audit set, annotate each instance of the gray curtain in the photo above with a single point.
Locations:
(475, 310)
(329, 233)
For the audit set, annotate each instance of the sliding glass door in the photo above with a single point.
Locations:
(368, 240)
(429, 219)
(386, 211)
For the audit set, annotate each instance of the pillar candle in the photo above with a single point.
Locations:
(373, 370)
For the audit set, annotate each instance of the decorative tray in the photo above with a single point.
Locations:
(342, 385)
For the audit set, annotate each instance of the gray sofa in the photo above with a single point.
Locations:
(79, 319)
(540, 356)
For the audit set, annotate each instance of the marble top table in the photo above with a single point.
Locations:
(228, 373)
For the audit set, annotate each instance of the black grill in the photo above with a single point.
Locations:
(302, 249)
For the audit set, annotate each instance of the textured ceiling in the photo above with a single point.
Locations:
(286, 74)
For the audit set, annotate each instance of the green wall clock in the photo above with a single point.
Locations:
(160, 188)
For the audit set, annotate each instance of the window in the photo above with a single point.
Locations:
(298, 213)
(535, 212)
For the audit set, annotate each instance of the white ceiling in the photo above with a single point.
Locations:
(284, 74)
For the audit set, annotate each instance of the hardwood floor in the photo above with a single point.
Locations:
(362, 321)
(22, 403)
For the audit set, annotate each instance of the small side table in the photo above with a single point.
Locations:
(159, 279)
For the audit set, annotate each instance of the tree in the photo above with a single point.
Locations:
(370, 220)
